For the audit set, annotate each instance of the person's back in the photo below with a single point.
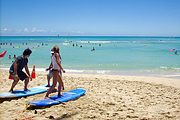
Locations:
(21, 62)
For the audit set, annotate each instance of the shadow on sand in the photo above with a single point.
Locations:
(9, 99)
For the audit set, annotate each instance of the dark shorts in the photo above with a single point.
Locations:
(60, 73)
(22, 76)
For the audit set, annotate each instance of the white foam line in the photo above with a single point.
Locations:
(172, 75)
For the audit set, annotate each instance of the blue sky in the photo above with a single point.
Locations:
(90, 17)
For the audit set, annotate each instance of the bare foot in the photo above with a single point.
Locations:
(59, 94)
(11, 90)
(26, 90)
(48, 86)
(46, 97)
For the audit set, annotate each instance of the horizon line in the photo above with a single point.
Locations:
(90, 35)
(58, 35)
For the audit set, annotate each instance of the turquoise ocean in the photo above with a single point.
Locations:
(119, 55)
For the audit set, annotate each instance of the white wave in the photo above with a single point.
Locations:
(170, 68)
(95, 42)
(164, 67)
(74, 71)
(103, 71)
(65, 44)
(175, 75)
(176, 68)
(88, 71)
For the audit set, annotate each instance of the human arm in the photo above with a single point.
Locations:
(27, 71)
(50, 66)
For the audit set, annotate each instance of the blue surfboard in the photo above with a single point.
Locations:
(22, 93)
(54, 100)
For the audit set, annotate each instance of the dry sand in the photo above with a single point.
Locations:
(107, 97)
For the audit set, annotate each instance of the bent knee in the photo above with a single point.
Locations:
(16, 79)
(27, 79)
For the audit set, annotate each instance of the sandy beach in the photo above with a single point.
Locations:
(107, 97)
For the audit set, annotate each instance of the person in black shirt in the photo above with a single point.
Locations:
(17, 67)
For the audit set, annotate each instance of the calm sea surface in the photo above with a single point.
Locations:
(111, 55)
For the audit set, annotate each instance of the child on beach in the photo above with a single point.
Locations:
(50, 74)
(57, 71)
(17, 67)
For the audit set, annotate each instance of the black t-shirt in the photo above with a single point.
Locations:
(21, 62)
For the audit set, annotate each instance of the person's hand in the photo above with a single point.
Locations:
(49, 68)
(63, 71)
(30, 78)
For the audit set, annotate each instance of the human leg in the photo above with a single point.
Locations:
(53, 85)
(62, 83)
(60, 86)
(26, 83)
(23, 76)
(15, 81)
(48, 81)
(49, 76)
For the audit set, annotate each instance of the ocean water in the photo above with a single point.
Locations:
(112, 55)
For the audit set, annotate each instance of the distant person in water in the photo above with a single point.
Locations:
(14, 58)
(9, 57)
(17, 67)
(175, 52)
(172, 50)
(93, 49)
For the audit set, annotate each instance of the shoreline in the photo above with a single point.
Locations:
(147, 79)
(167, 81)
(141, 73)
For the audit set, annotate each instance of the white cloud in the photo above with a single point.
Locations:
(25, 30)
(77, 32)
(34, 29)
(4, 29)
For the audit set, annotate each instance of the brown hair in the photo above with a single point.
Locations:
(55, 49)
